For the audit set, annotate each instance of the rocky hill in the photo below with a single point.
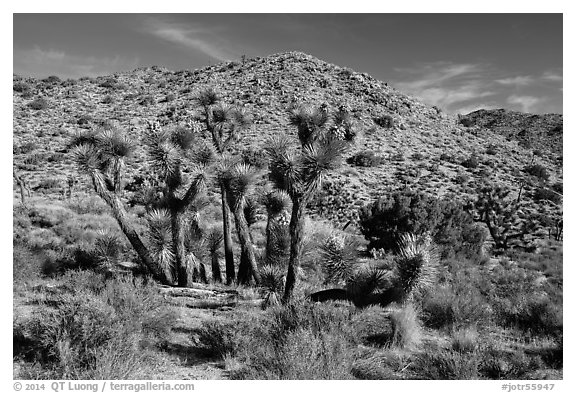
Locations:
(539, 132)
(421, 148)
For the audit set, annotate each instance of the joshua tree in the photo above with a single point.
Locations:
(300, 172)
(169, 149)
(238, 181)
(502, 216)
(102, 156)
(222, 123)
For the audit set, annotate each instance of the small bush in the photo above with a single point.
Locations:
(52, 79)
(384, 121)
(21, 87)
(107, 100)
(471, 162)
(255, 157)
(492, 149)
(365, 159)
(544, 194)
(538, 171)
(445, 364)
(39, 104)
(406, 327)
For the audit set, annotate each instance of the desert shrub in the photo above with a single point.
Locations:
(545, 194)
(52, 79)
(504, 364)
(299, 341)
(406, 327)
(445, 364)
(48, 184)
(492, 149)
(147, 100)
(364, 159)
(471, 162)
(107, 100)
(383, 221)
(538, 171)
(384, 121)
(381, 365)
(255, 157)
(95, 330)
(25, 148)
(460, 307)
(27, 265)
(558, 187)
(446, 157)
(465, 340)
(466, 122)
(220, 338)
(372, 326)
(462, 178)
(39, 104)
(169, 97)
(21, 87)
(417, 156)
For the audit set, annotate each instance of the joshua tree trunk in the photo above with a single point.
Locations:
(296, 236)
(120, 215)
(216, 274)
(245, 242)
(22, 185)
(227, 234)
(179, 248)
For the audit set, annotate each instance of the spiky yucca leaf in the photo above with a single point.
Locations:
(276, 202)
(222, 113)
(320, 158)
(240, 181)
(241, 119)
(285, 172)
(416, 265)
(204, 154)
(107, 249)
(114, 143)
(160, 235)
(207, 97)
(183, 137)
(213, 239)
(272, 282)
(87, 157)
(309, 121)
(338, 255)
(365, 281)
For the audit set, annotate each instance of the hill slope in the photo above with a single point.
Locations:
(423, 150)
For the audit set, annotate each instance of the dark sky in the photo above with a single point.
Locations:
(460, 62)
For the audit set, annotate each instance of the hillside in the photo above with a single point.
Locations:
(423, 150)
(539, 132)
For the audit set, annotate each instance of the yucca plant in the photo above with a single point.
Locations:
(339, 255)
(222, 123)
(272, 284)
(102, 157)
(277, 204)
(411, 272)
(300, 171)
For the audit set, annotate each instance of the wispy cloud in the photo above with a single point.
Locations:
(39, 62)
(191, 36)
(552, 76)
(524, 103)
(516, 81)
(444, 84)
(463, 88)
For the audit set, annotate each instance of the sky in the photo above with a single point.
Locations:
(458, 62)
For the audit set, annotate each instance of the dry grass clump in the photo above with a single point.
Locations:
(91, 328)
